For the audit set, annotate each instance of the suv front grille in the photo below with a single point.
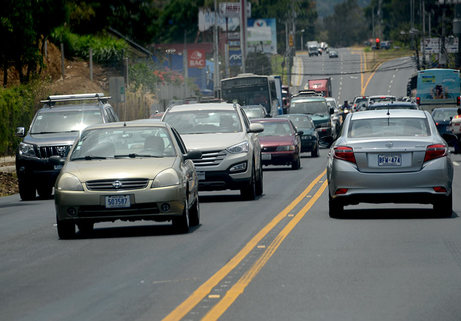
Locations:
(117, 184)
(48, 151)
(213, 158)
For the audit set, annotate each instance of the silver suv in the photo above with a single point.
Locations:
(231, 153)
(55, 127)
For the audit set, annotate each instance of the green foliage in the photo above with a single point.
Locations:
(17, 108)
(258, 63)
(106, 50)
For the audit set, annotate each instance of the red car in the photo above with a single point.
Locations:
(280, 142)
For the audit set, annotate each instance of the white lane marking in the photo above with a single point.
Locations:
(456, 163)
(393, 76)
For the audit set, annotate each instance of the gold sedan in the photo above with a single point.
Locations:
(139, 170)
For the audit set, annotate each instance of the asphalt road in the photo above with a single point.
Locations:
(276, 258)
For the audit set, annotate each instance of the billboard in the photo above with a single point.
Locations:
(262, 35)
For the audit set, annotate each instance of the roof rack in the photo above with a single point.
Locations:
(51, 100)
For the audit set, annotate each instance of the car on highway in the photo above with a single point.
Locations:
(319, 111)
(280, 142)
(359, 103)
(255, 111)
(394, 156)
(380, 98)
(127, 171)
(332, 54)
(392, 105)
(52, 132)
(309, 137)
(442, 118)
(228, 142)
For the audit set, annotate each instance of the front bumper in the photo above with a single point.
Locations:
(38, 169)
(146, 204)
(279, 158)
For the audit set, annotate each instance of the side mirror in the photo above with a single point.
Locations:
(20, 131)
(193, 154)
(256, 128)
(332, 110)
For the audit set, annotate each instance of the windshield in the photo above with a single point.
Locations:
(301, 122)
(204, 121)
(64, 121)
(309, 107)
(124, 142)
(388, 127)
(252, 95)
(254, 112)
(276, 129)
(443, 115)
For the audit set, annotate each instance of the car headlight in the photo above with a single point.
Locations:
(285, 148)
(69, 182)
(168, 177)
(242, 147)
(26, 149)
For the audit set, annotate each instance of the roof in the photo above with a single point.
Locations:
(199, 106)
(393, 113)
(72, 107)
(134, 123)
(307, 98)
(270, 120)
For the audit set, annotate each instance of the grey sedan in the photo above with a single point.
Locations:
(390, 156)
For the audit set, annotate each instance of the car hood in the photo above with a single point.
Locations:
(211, 142)
(55, 139)
(118, 168)
(276, 140)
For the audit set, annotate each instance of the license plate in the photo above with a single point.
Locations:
(390, 160)
(266, 156)
(118, 201)
(201, 176)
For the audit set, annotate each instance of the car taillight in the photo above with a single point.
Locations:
(345, 153)
(435, 151)
(458, 100)
(418, 100)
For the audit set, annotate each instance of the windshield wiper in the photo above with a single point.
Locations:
(88, 157)
(134, 155)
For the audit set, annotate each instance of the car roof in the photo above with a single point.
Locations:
(205, 106)
(133, 123)
(72, 107)
(393, 103)
(393, 113)
(270, 120)
(308, 98)
(381, 96)
(294, 115)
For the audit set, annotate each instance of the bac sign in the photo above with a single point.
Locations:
(196, 58)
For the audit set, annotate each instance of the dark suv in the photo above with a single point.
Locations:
(53, 130)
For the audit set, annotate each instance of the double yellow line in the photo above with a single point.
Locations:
(232, 294)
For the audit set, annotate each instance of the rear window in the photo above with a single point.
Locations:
(444, 115)
(309, 107)
(389, 127)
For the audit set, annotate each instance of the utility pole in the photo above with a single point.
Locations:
(243, 33)
(457, 32)
(423, 15)
(216, 53)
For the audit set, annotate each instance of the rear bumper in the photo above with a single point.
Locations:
(279, 158)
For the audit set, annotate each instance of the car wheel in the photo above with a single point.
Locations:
(444, 206)
(182, 224)
(335, 207)
(85, 228)
(194, 213)
(26, 189)
(259, 183)
(296, 164)
(44, 191)
(66, 230)
(248, 192)
(315, 152)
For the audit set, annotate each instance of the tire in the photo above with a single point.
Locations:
(26, 189)
(194, 213)
(444, 207)
(315, 152)
(259, 182)
(66, 230)
(85, 228)
(296, 164)
(248, 192)
(335, 207)
(44, 191)
(182, 224)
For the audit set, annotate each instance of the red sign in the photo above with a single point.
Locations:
(196, 58)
